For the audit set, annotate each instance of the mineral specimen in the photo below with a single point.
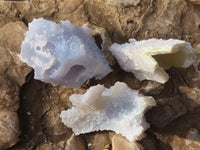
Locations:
(119, 109)
(148, 59)
(63, 54)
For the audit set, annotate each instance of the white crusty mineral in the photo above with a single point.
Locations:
(119, 109)
(148, 59)
(62, 54)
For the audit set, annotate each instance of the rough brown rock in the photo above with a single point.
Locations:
(11, 36)
(9, 96)
(193, 138)
(26, 11)
(9, 128)
(182, 133)
(75, 142)
(175, 120)
(195, 1)
(97, 140)
(12, 75)
(119, 142)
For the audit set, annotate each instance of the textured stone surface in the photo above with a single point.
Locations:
(75, 143)
(119, 143)
(12, 76)
(195, 1)
(11, 36)
(9, 128)
(186, 136)
(175, 121)
(9, 96)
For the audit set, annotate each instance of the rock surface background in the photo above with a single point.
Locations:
(29, 109)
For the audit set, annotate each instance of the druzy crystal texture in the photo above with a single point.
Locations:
(148, 59)
(62, 54)
(119, 109)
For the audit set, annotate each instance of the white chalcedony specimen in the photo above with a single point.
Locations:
(148, 59)
(119, 109)
(63, 54)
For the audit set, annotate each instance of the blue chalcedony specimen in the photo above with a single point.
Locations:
(118, 108)
(62, 54)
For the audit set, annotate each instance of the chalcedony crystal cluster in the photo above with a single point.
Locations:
(118, 108)
(65, 54)
(62, 54)
(148, 59)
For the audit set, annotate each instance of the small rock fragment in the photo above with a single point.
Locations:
(148, 59)
(193, 139)
(197, 2)
(9, 129)
(62, 54)
(120, 143)
(124, 2)
(119, 109)
(75, 143)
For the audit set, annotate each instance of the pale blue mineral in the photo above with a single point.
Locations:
(62, 54)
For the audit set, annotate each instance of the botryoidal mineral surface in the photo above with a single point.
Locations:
(118, 108)
(62, 54)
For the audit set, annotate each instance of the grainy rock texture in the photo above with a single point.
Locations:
(119, 143)
(12, 76)
(32, 108)
(9, 128)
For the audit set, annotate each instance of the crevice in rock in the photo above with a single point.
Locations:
(25, 21)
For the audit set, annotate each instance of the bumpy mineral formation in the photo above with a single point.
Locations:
(119, 109)
(148, 59)
(63, 54)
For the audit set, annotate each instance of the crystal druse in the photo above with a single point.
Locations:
(118, 108)
(148, 59)
(62, 54)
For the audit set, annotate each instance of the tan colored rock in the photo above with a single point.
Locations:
(191, 93)
(75, 143)
(195, 2)
(8, 13)
(121, 143)
(71, 10)
(152, 88)
(12, 75)
(45, 146)
(193, 139)
(164, 20)
(9, 129)
(50, 146)
(9, 95)
(53, 126)
(105, 16)
(190, 25)
(124, 2)
(11, 36)
(98, 140)
(25, 10)
(180, 135)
